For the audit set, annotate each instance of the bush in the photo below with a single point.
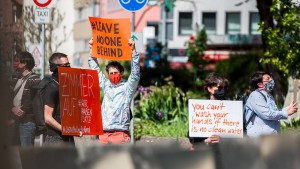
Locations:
(150, 128)
(161, 111)
(237, 69)
(166, 104)
(293, 125)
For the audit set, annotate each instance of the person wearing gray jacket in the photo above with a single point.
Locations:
(118, 94)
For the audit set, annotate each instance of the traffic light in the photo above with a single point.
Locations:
(169, 5)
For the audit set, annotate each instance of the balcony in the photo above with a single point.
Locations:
(234, 39)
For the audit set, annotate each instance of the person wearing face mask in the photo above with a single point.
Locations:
(52, 104)
(22, 111)
(118, 94)
(261, 111)
(216, 87)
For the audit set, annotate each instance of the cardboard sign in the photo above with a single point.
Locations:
(208, 117)
(111, 38)
(295, 91)
(79, 95)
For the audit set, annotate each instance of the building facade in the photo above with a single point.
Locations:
(231, 27)
(82, 29)
(11, 31)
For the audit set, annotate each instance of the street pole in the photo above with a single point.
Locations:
(43, 69)
(132, 21)
(43, 52)
(132, 101)
(163, 25)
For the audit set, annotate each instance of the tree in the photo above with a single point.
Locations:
(282, 37)
(280, 26)
(196, 49)
(33, 31)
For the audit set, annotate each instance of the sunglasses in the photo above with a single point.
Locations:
(64, 65)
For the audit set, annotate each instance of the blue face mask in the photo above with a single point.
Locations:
(270, 85)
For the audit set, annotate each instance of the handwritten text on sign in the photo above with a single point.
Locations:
(79, 96)
(111, 38)
(208, 117)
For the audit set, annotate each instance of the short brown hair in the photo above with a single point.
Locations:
(214, 79)
(116, 65)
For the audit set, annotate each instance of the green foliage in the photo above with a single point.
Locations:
(150, 128)
(283, 41)
(165, 104)
(198, 94)
(237, 69)
(161, 111)
(196, 49)
(293, 125)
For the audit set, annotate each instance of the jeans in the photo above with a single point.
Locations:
(27, 133)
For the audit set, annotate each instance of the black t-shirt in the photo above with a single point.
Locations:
(51, 98)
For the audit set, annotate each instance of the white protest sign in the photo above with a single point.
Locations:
(208, 117)
(138, 38)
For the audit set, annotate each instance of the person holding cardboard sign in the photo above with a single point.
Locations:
(52, 104)
(118, 94)
(216, 86)
(261, 113)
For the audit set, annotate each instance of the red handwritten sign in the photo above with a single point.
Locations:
(111, 38)
(79, 95)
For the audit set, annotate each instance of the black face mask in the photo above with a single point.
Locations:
(219, 94)
(53, 67)
(54, 70)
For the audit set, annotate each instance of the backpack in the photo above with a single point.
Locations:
(38, 105)
(253, 115)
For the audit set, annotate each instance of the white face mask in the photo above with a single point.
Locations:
(270, 85)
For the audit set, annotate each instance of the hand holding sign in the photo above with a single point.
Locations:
(131, 43)
(212, 139)
(292, 108)
(91, 45)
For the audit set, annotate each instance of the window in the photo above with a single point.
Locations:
(14, 14)
(169, 15)
(85, 12)
(254, 21)
(233, 23)
(209, 21)
(185, 23)
(169, 25)
(169, 32)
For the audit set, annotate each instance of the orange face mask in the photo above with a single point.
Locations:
(115, 78)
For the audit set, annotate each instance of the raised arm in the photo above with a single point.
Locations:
(93, 64)
(134, 77)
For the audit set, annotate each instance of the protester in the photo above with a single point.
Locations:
(51, 101)
(22, 111)
(216, 86)
(261, 113)
(118, 94)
